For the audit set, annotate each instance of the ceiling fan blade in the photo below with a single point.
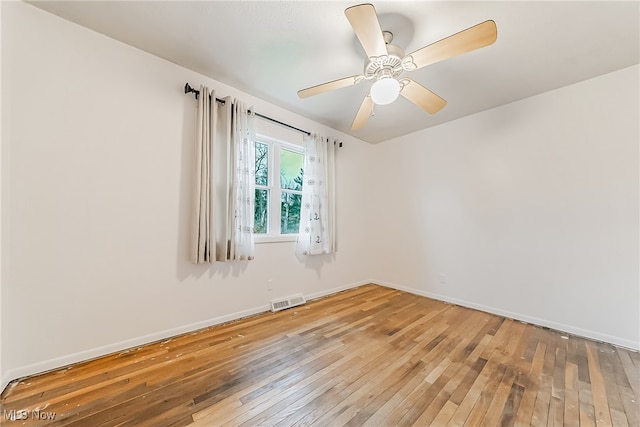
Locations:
(473, 38)
(326, 87)
(365, 24)
(363, 113)
(422, 97)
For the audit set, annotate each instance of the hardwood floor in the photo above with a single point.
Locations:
(368, 356)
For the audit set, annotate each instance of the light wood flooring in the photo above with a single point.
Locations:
(368, 356)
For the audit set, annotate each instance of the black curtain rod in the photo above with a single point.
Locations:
(189, 89)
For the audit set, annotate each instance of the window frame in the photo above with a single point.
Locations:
(274, 148)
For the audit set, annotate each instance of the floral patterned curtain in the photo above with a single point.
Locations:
(243, 188)
(317, 233)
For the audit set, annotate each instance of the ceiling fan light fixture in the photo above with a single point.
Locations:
(385, 90)
(385, 62)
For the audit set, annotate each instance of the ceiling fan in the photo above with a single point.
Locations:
(386, 63)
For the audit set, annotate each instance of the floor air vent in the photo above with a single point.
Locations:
(283, 303)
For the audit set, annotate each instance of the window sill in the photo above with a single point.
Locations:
(275, 239)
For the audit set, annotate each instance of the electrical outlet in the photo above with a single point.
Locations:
(270, 285)
(443, 279)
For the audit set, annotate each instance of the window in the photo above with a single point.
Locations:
(278, 189)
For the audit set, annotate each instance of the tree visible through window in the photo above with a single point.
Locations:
(291, 190)
(279, 172)
(261, 217)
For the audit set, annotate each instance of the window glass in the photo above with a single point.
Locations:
(261, 214)
(290, 212)
(291, 170)
(262, 164)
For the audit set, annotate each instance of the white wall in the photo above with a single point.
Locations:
(99, 198)
(529, 210)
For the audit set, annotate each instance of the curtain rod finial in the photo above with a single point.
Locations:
(188, 88)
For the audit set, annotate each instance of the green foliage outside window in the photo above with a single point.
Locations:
(261, 216)
(290, 179)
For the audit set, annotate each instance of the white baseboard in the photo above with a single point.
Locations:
(5, 379)
(327, 292)
(573, 330)
(58, 362)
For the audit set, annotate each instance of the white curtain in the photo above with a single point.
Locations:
(224, 184)
(243, 186)
(317, 233)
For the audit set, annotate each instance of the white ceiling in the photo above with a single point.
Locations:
(271, 49)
